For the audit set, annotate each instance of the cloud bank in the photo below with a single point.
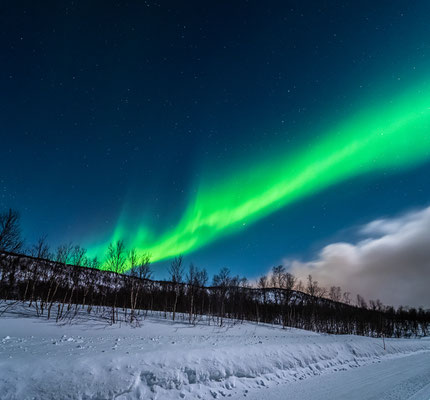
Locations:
(392, 263)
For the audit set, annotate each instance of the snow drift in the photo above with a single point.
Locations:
(162, 359)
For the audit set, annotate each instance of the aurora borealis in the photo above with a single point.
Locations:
(372, 140)
(237, 134)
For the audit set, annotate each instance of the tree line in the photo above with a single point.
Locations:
(63, 283)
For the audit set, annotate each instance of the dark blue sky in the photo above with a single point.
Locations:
(106, 105)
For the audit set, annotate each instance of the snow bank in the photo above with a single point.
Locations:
(170, 360)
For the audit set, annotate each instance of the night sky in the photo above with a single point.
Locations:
(138, 119)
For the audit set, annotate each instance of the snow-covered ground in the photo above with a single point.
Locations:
(392, 379)
(162, 359)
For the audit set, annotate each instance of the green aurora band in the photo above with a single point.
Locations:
(392, 135)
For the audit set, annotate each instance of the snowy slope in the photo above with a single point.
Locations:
(162, 359)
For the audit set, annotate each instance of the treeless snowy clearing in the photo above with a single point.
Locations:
(162, 359)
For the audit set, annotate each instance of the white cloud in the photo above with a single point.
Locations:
(392, 263)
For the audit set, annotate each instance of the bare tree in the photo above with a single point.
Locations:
(41, 249)
(63, 256)
(361, 302)
(10, 231)
(288, 281)
(115, 263)
(276, 281)
(202, 277)
(277, 276)
(223, 278)
(176, 272)
(133, 261)
(192, 282)
(133, 283)
(116, 257)
(144, 267)
(222, 281)
(145, 274)
(93, 263)
(313, 288)
(64, 253)
(263, 282)
(346, 298)
(78, 256)
(335, 293)
(299, 286)
(379, 305)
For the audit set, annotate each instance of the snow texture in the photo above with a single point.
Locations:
(162, 359)
(389, 379)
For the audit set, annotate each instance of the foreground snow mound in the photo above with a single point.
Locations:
(162, 359)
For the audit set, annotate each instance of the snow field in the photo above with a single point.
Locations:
(162, 359)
